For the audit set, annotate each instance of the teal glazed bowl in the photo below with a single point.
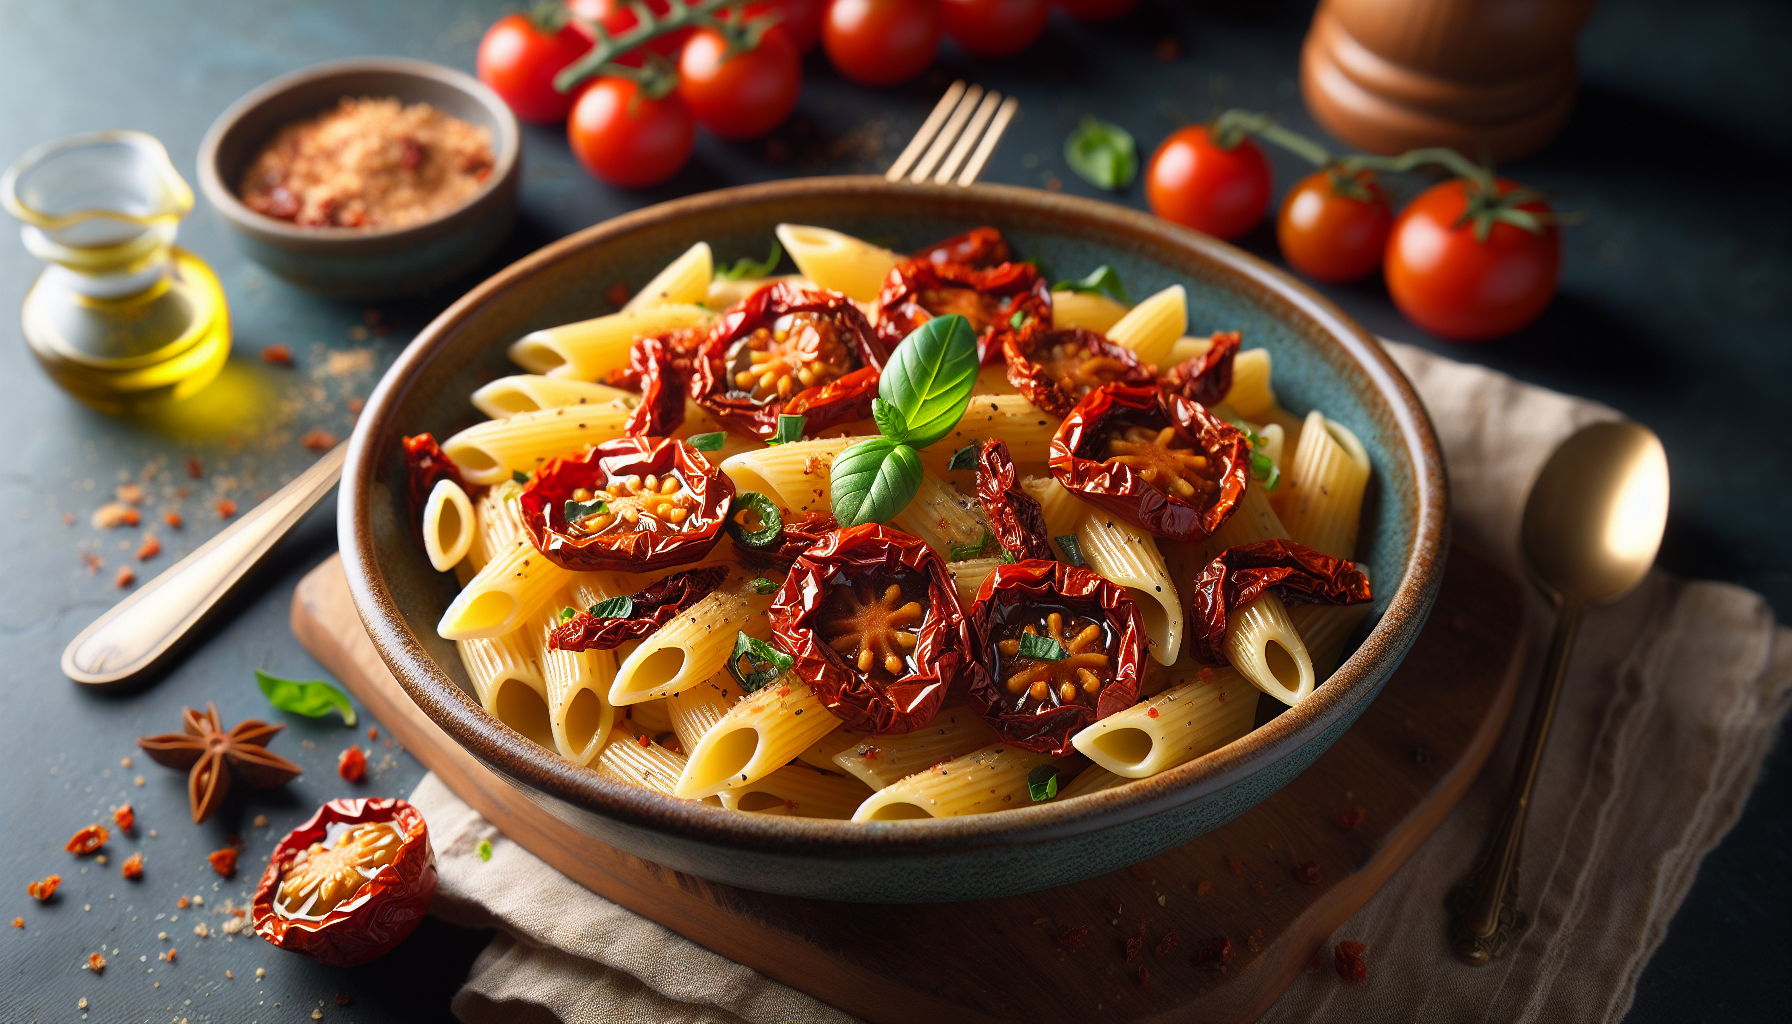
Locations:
(1322, 360)
(362, 263)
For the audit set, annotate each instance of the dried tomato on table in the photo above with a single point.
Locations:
(1153, 458)
(425, 464)
(1056, 369)
(785, 350)
(872, 620)
(628, 504)
(1000, 301)
(648, 610)
(1241, 574)
(88, 840)
(1015, 516)
(1206, 378)
(1051, 649)
(1347, 957)
(42, 891)
(349, 884)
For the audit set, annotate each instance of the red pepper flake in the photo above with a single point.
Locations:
(124, 818)
(1237, 868)
(1135, 948)
(173, 519)
(644, 740)
(18, 922)
(372, 734)
(1143, 874)
(783, 691)
(1259, 888)
(150, 549)
(1113, 905)
(42, 891)
(617, 295)
(1143, 977)
(88, 840)
(279, 355)
(1347, 957)
(1073, 939)
(96, 963)
(1151, 712)
(194, 470)
(318, 440)
(1216, 952)
(226, 508)
(1167, 943)
(182, 903)
(1201, 890)
(170, 955)
(93, 562)
(1310, 872)
(1349, 820)
(351, 764)
(132, 867)
(125, 576)
(223, 861)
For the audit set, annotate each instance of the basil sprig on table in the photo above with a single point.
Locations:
(1102, 154)
(313, 699)
(1103, 280)
(921, 396)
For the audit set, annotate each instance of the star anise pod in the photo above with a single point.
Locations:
(213, 755)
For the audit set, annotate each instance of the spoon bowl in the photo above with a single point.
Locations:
(1595, 516)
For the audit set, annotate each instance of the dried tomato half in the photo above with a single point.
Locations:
(999, 301)
(795, 536)
(1014, 515)
(785, 350)
(651, 362)
(873, 622)
(424, 464)
(1153, 458)
(979, 247)
(648, 611)
(1240, 574)
(1052, 648)
(631, 504)
(349, 884)
(1056, 369)
(1207, 377)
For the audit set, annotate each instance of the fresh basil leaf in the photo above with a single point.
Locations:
(765, 663)
(614, 608)
(574, 511)
(1041, 648)
(710, 442)
(966, 457)
(1102, 154)
(1073, 552)
(790, 428)
(889, 420)
(1103, 280)
(519, 476)
(874, 480)
(764, 585)
(1042, 782)
(568, 613)
(1008, 557)
(771, 524)
(1265, 470)
(744, 267)
(960, 552)
(929, 377)
(312, 699)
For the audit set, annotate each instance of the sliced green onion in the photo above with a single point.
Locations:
(764, 585)
(519, 476)
(771, 524)
(790, 428)
(960, 552)
(568, 613)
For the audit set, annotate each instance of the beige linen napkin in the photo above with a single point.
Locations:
(1673, 698)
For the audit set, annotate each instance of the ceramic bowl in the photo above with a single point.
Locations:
(357, 263)
(1321, 358)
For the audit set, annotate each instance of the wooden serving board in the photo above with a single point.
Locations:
(1406, 762)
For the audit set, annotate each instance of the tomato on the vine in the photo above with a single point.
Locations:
(1194, 182)
(615, 17)
(1334, 228)
(1096, 10)
(1467, 266)
(800, 18)
(518, 59)
(741, 95)
(622, 136)
(881, 42)
(994, 28)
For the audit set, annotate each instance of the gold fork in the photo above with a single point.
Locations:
(967, 122)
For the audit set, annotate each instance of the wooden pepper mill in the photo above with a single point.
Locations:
(1493, 78)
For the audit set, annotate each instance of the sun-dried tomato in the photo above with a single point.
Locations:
(88, 840)
(1216, 952)
(1237, 868)
(96, 963)
(424, 465)
(1166, 944)
(346, 896)
(42, 891)
(636, 503)
(979, 247)
(1350, 819)
(223, 861)
(1153, 458)
(1135, 948)
(785, 350)
(651, 363)
(1014, 515)
(1310, 872)
(1239, 575)
(872, 619)
(795, 537)
(1206, 378)
(1033, 701)
(132, 867)
(1056, 369)
(124, 818)
(351, 764)
(1143, 976)
(999, 301)
(1072, 939)
(649, 610)
(1347, 957)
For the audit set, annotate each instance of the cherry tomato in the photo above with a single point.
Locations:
(615, 17)
(745, 95)
(800, 18)
(1461, 288)
(881, 42)
(994, 28)
(519, 62)
(624, 138)
(1194, 182)
(1333, 230)
(1096, 10)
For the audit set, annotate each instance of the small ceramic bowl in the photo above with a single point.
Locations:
(357, 263)
(1322, 360)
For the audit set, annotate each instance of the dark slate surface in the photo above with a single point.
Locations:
(1674, 304)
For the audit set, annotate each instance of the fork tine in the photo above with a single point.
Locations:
(972, 132)
(988, 145)
(924, 134)
(947, 134)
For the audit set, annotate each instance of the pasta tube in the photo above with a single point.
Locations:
(652, 717)
(794, 476)
(696, 645)
(625, 758)
(489, 452)
(1153, 326)
(756, 737)
(589, 349)
(695, 711)
(821, 753)
(684, 281)
(448, 525)
(1027, 430)
(800, 792)
(1094, 779)
(725, 294)
(508, 683)
(531, 392)
(498, 527)
(838, 262)
(1324, 503)
(501, 596)
(1127, 555)
(1262, 643)
(991, 779)
(1197, 715)
(1325, 629)
(1089, 310)
(943, 517)
(968, 576)
(880, 761)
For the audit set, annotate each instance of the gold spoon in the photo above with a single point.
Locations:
(1591, 528)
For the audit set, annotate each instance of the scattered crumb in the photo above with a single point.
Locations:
(199, 901)
(261, 821)
(18, 922)
(372, 733)
(138, 781)
(317, 1015)
(226, 508)
(125, 576)
(232, 925)
(202, 931)
(150, 549)
(183, 903)
(347, 364)
(93, 562)
(261, 972)
(114, 514)
(173, 519)
(68, 519)
(279, 355)
(100, 860)
(81, 1002)
(96, 963)
(318, 440)
(162, 936)
(131, 494)
(125, 762)
(229, 975)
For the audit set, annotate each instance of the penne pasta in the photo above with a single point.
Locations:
(501, 596)
(1128, 556)
(692, 712)
(448, 525)
(696, 645)
(589, 349)
(1091, 311)
(880, 761)
(838, 262)
(488, 453)
(1022, 425)
(1187, 348)
(532, 392)
(724, 294)
(756, 737)
(991, 779)
(821, 753)
(508, 683)
(1152, 327)
(794, 476)
(1325, 481)
(684, 281)
(993, 380)
(951, 523)
(652, 717)
(626, 758)
(1251, 396)
(968, 576)
(799, 791)
(1326, 629)
(1262, 643)
(498, 527)
(1204, 711)
(1093, 779)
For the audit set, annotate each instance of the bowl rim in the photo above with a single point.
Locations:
(532, 767)
(507, 143)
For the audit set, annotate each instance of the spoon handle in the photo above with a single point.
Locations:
(1484, 914)
(139, 630)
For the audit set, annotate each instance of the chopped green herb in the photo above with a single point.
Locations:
(710, 442)
(568, 613)
(756, 506)
(519, 476)
(790, 428)
(485, 847)
(1073, 552)
(765, 663)
(1042, 782)
(1041, 648)
(577, 510)
(1265, 470)
(966, 457)
(313, 699)
(764, 585)
(1019, 318)
(1102, 154)
(746, 268)
(614, 608)
(960, 552)
(1103, 280)
(1008, 557)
